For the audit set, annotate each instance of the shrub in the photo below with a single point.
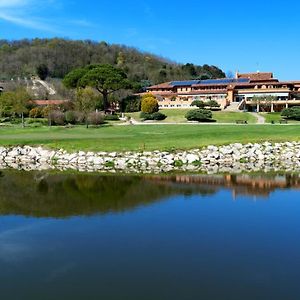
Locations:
(79, 117)
(40, 121)
(46, 111)
(15, 120)
(291, 113)
(57, 117)
(158, 116)
(198, 115)
(145, 116)
(198, 103)
(65, 106)
(36, 112)
(111, 118)
(212, 103)
(96, 118)
(70, 117)
(149, 105)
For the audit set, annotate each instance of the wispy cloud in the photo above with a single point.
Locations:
(21, 21)
(22, 13)
(13, 3)
(12, 248)
(27, 13)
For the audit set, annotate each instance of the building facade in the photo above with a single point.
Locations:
(250, 91)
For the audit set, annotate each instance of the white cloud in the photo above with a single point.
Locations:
(26, 13)
(21, 21)
(13, 3)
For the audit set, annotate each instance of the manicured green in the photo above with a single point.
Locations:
(291, 113)
(178, 116)
(275, 117)
(232, 117)
(200, 115)
(148, 137)
(271, 117)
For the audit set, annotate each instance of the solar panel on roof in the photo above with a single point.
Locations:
(209, 81)
(184, 82)
(224, 81)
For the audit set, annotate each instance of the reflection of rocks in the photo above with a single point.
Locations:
(232, 158)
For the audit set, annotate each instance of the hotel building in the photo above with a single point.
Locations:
(239, 93)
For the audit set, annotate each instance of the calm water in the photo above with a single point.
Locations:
(76, 236)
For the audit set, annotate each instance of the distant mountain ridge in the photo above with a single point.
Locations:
(21, 59)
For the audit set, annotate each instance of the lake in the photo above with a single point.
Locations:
(90, 236)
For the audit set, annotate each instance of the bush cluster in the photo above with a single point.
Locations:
(157, 116)
(95, 118)
(111, 118)
(149, 104)
(292, 113)
(200, 115)
(210, 103)
(57, 117)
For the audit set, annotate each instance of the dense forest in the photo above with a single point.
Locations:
(57, 57)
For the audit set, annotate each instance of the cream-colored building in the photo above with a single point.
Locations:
(239, 93)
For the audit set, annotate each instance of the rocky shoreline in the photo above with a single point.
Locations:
(234, 158)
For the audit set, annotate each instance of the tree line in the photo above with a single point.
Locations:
(54, 58)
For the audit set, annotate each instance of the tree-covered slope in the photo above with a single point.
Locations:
(22, 58)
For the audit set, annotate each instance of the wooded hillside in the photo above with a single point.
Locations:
(23, 58)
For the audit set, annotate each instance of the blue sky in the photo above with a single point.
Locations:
(234, 35)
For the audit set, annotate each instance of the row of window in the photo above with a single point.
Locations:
(218, 88)
(173, 105)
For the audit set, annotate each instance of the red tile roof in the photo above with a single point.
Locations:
(165, 85)
(50, 102)
(256, 76)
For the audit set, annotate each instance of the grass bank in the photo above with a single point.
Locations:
(148, 137)
(177, 116)
(276, 117)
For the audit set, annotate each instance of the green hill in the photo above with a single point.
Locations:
(22, 58)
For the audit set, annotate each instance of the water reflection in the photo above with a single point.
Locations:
(84, 236)
(44, 194)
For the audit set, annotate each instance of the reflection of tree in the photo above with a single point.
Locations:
(63, 195)
(42, 194)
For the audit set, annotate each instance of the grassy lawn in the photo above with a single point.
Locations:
(275, 117)
(231, 117)
(269, 117)
(148, 137)
(177, 116)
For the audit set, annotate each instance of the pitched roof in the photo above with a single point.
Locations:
(165, 85)
(256, 76)
(50, 102)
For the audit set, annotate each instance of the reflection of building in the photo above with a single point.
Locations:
(239, 184)
(238, 92)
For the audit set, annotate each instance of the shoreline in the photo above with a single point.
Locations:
(232, 158)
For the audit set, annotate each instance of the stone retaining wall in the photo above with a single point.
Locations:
(212, 159)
